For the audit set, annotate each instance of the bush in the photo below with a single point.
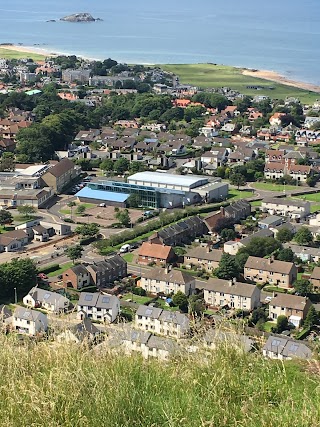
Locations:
(49, 268)
(87, 240)
(139, 291)
(68, 220)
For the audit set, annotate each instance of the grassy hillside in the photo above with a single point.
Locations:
(53, 385)
(14, 54)
(209, 75)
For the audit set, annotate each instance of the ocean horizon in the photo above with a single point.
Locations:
(275, 36)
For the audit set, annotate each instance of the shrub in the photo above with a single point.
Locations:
(49, 268)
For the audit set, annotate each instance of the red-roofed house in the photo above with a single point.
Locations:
(154, 253)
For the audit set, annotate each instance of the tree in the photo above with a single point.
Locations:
(303, 236)
(71, 205)
(5, 217)
(261, 246)
(284, 235)
(123, 217)
(302, 287)
(258, 314)
(237, 179)
(196, 306)
(285, 254)
(181, 300)
(121, 165)
(282, 324)
(88, 230)
(228, 234)
(26, 211)
(312, 318)
(20, 274)
(134, 200)
(7, 162)
(81, 209)
(107, 165)
(74, 252)
(227, 267)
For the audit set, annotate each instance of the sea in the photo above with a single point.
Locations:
(277, 35)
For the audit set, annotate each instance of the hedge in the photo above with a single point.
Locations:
(50, 268)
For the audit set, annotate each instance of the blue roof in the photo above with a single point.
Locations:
(33, 92)
(104, 196)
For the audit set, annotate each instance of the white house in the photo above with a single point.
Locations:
(295, 209)
(162, 322)
(29, 322)
(50, 301)
(96, 306)
(220, 293)
(285, 349)
(159, 280)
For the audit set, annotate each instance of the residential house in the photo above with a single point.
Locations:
(76, 276)
(50, 301)
(275, 119)
(315, 279)
(161, 348)
(83, 331)
(294, 307)
(305, 253)
(294, 209)
(165, 281)
(99, 307)
(285, 349)
(221, 293)
(13, 240)
(215, 157)
(183, 232)
(214, 338)
(203, 257)
(87, 136)
(270, 221)
(274, 272)
(5, 318)
(154, 253)
(61, 174)
(298, 172)
(235, 212)
(30, 322)
(104, 273)
(310, 121)
(163, 322)
(241, 157)
(276, 156)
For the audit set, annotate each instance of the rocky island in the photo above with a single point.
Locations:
(80, 17)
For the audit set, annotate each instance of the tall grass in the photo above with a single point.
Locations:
(49, 384)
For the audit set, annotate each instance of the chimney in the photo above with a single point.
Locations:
(166, 270)
(208, 248)
(222, 210)
(271, 259)
(230, 282)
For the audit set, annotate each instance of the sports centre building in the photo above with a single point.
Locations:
(156, 190)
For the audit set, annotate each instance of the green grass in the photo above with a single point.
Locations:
(128, 257)
(62, 269)
(314, 198)
(210, 75)
(137, 298)
(45, 384)
(274, 289)
(14, 54)
(268, 326)
(239, 194)
(256, 203)
(269, 186)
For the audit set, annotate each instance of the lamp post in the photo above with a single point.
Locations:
(15, 296)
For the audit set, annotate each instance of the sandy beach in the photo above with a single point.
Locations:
(28, 49)
(278, 78)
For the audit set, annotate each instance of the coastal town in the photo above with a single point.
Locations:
(156, 217)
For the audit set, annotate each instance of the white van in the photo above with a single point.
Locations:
(125, 248)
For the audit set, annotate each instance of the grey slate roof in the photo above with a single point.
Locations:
(27, 314)
(147, 311)
(215, 336)
(202, 253)
(49, 297)
(96, 299)
(294, 302)
(262, 233)
(112, 263)
(85, 328)
(174, 317)
(162, 344)
(287, 347)
(79, 269)
(230, 287)
(286, 202)
(172, 276)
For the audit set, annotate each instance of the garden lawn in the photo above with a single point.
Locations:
(256, 203)
(128, 257)
(269, 186)
(268, 326)
(216, 76)
(137, 298)
(239, 194)
(62, 269)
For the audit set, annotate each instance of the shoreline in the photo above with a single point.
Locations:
(267, 75)
(273, 76)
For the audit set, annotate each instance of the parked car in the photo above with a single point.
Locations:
(102, 205)
(42, 276)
